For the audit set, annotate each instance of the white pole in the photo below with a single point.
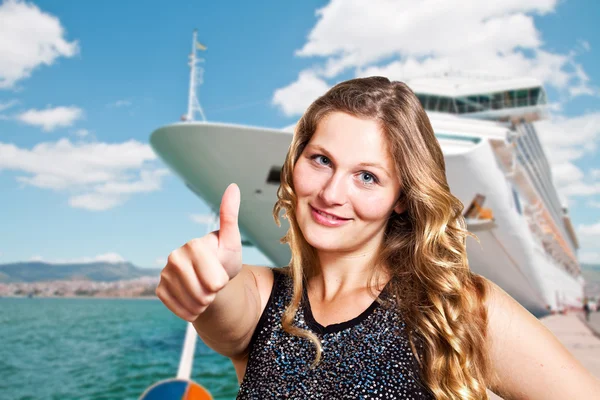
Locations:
(187, 354)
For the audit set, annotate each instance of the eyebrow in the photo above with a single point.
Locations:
(363, 164)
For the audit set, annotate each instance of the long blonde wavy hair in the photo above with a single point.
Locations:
(424, 247)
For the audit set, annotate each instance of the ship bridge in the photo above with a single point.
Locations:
(499, 99)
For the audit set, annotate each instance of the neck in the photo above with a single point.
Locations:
(340, 274)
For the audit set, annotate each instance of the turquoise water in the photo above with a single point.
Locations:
(53, 348)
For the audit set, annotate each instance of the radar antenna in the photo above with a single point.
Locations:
(196, 79)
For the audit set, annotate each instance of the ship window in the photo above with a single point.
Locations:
(274, 177)
(438, 101)
(538, 95)
(444, 105)
(426, 101)
(484, 102)
(534, 95)
(453, 107)
(517, 201)
(522, 98)
(497, 102)
(433, 101)
(508, 97)
(472, 103)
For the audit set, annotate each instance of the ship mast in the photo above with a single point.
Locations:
(196, 79)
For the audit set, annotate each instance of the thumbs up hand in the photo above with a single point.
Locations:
(229, 239)
(199, 269)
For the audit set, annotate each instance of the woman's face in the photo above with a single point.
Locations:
(345, 170)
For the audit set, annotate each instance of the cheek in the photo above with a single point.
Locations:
(372, 206)
(304, 179)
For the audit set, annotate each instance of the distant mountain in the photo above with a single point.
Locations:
(591, 274)
(96, 271)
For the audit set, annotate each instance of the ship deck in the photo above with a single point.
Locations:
(581, 338)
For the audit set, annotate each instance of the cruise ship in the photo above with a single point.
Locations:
(495, 165)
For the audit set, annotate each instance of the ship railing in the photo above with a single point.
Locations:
(539, 221)
(555, 249)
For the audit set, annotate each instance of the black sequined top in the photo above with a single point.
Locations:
(368, 357)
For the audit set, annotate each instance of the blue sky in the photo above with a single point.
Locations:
(83, 84)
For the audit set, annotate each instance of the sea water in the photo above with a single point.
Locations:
(74, 348)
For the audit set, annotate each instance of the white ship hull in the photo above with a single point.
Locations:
(210, 156)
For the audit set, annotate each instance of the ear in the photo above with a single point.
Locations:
(399, 209)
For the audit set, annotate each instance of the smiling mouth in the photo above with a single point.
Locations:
(329, 216)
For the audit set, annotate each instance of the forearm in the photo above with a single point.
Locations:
(227, 324)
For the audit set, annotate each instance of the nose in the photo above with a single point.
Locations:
(334, 190)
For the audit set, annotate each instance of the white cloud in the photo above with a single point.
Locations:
(205, 219)
(96, 176)
(593, 230)
(565, 173)
(107, 257)
(149, 181)
(51, 118)
(579, 188)
(160, 261)
(289, 128)
(29, 38)
(593, 203)
(8, 104)
(554, 107)
(95, 201)
(585, 45)
(589, 237)
(404, 39)
(120, 103)
(202, 218)
(589, 257)
(82, 133)
(294, 98)
(582, 87)
(566, 140)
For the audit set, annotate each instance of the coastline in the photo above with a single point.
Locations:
(80, 297)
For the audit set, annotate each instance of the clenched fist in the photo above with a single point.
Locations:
(199, 269)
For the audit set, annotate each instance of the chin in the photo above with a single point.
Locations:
(324, 240)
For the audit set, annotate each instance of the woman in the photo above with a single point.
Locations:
(378, 300)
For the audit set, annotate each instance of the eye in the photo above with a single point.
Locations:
(323, 159)
(369, 178)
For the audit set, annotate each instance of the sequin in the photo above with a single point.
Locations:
(368, 357)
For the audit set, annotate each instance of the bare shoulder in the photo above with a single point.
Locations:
(263, 279)
(528, 360)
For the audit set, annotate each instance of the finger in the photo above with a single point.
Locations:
(229, 231)
(187, 290)
(172, 303)
(210, 273)
(181, 281)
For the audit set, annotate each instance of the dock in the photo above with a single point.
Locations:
(580, 337)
